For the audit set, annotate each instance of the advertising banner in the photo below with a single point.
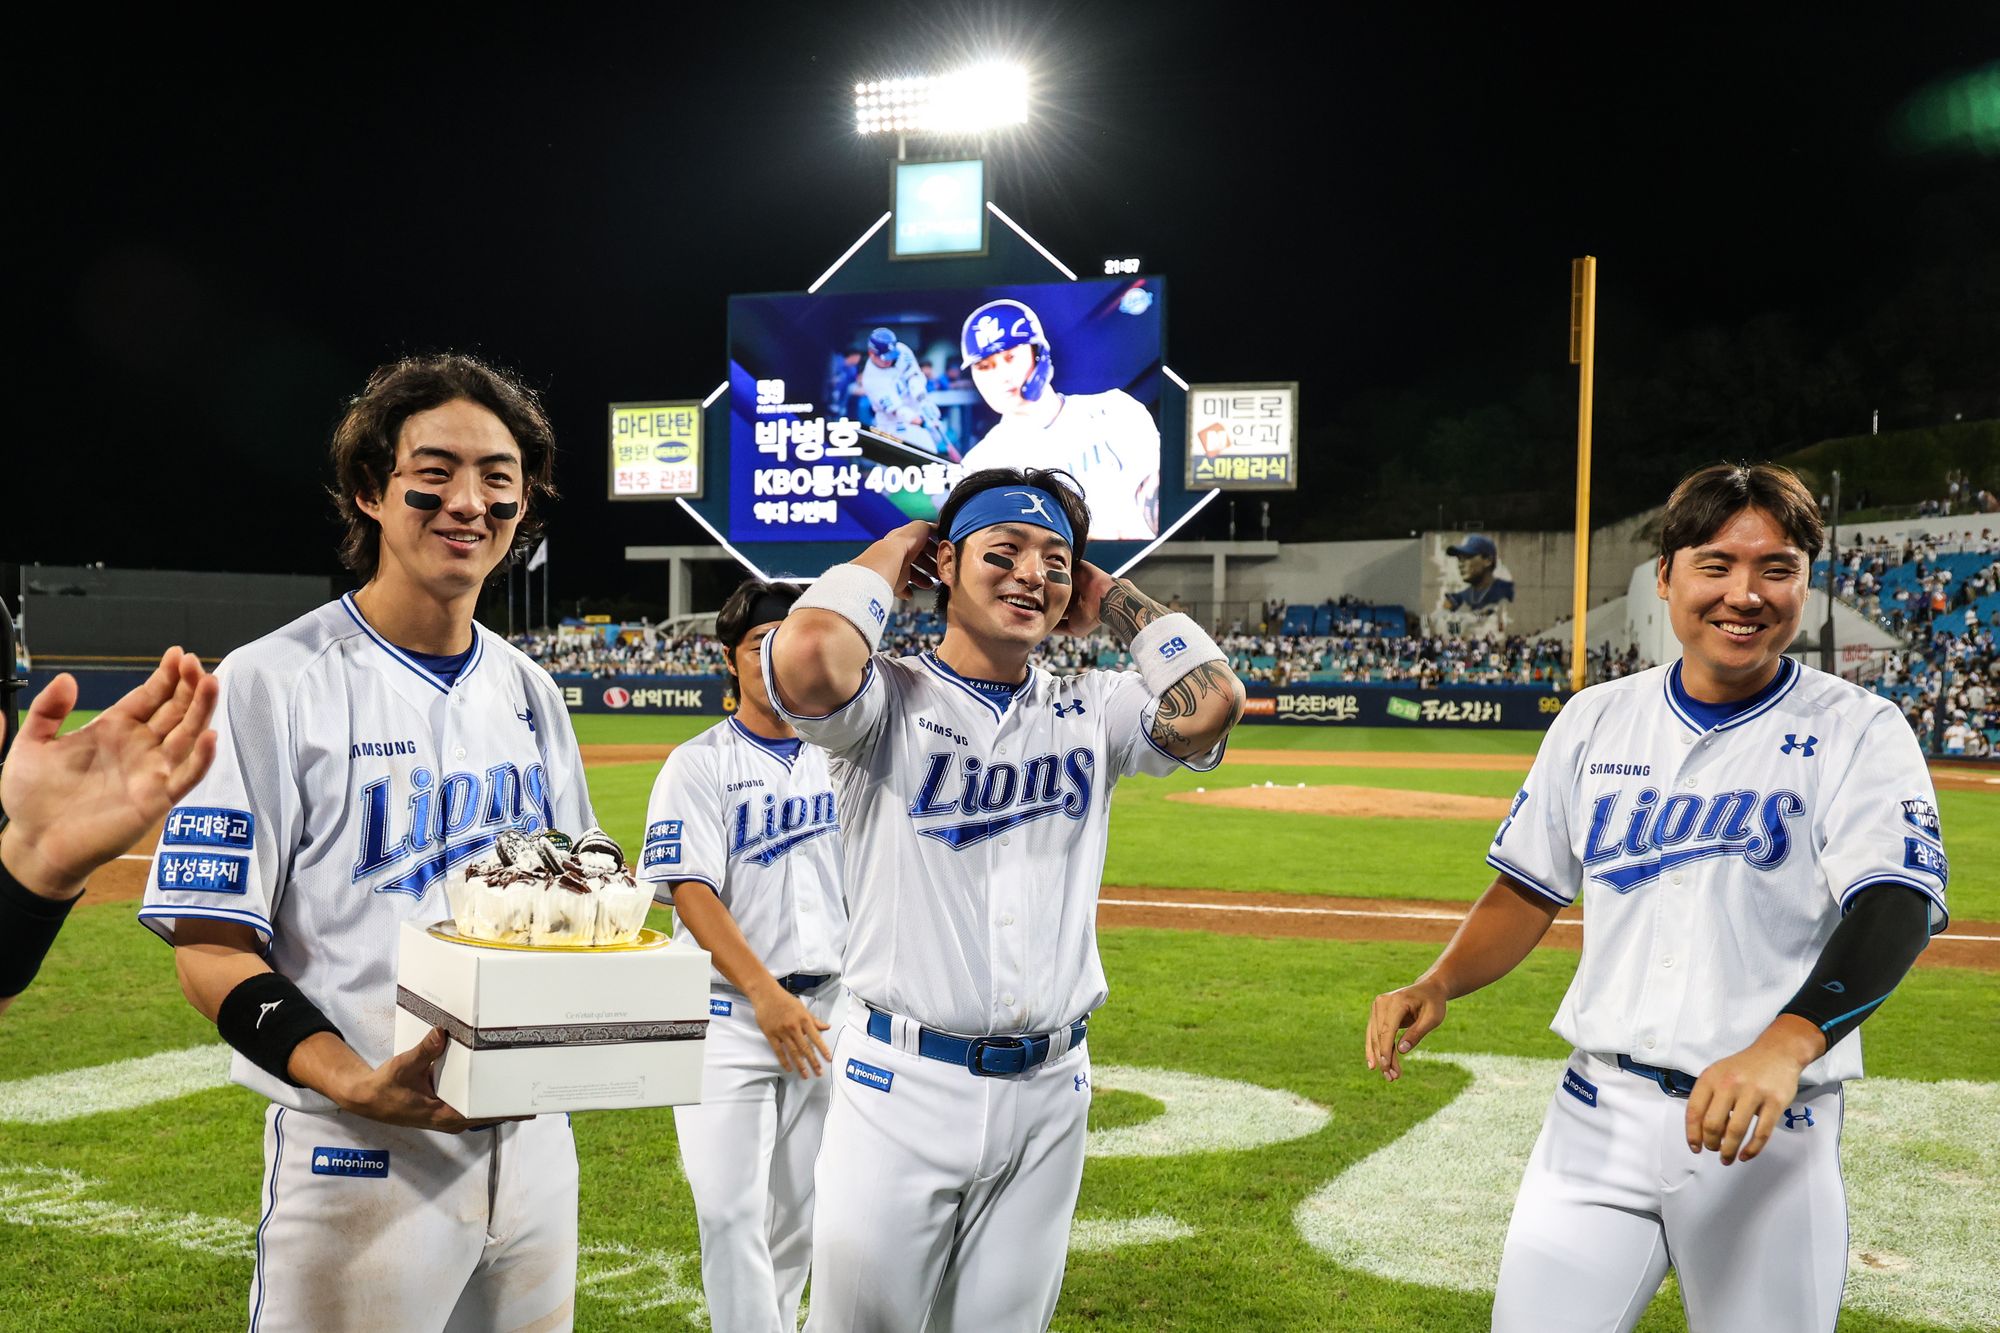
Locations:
(1243, 437)
(1453, 708)
(655, 450)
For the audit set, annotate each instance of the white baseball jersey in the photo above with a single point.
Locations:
(1107, 441)
(762, 830)
(902, 399)
(348, 782)
(974, 834)
(1715, 861)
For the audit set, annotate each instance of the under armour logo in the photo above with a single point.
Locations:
(1073, 709)
(1034, 505)
(1835, 987)
(527, 715)
(1792, 742)
(1799, 1119)
(1081, 1083)
(263, 1011)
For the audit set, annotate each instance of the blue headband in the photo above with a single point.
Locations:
(1014, 504)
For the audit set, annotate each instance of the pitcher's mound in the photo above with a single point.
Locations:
(1354, 802)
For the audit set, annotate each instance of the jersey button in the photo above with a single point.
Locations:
(1689, 782)
(1007, 1000)
(459, 753)
(1687, 740)
(1005, 840)
(1007, 920)
(1649, 1043)
(1677, 877)
(1668, 961)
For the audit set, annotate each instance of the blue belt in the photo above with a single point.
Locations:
(1672, 1081)
(988, 1057)
(798, 983)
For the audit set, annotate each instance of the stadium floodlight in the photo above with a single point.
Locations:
(971, 101)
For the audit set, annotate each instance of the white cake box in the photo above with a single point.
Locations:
(535, 1030)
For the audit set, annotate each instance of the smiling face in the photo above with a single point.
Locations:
(1736, 601)
(1014, 607)
(999, 377)
(461, 453)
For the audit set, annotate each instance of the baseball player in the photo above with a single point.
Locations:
(1757, 850)
(743, 842)
(975, 791)
(1107, 441)
(366, 750)
(894, 385)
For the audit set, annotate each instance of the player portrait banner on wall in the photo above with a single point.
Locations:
(1243, 437)
(656, 451)
(852, 413)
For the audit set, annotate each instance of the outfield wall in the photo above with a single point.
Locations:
(1498, 707)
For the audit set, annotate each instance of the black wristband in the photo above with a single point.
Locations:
(28, 926)
(265, 1018)
(1871, 949)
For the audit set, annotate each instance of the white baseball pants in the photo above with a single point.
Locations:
(1612, 1198)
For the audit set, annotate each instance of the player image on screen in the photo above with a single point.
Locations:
(895, 387)
(1106, 440)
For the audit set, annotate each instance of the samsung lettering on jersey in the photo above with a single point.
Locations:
(437, 815)
(1686, 827)
(380, 749)
(1001, 795)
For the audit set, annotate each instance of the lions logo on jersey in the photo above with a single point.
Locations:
(995, 797)
(439, 814)
(1661, 835)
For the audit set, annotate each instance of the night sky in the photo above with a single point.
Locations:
(224, 231)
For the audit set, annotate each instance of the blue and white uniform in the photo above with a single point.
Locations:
(1714, 849)
(350, 778)
(974, 818)
(755, 820)
(902, 401)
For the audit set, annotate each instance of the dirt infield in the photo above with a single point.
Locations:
(1973, 944)
(1355, 802)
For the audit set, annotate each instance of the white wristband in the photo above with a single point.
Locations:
(1169, 648)
(859, 596)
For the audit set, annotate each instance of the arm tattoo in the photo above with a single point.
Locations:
(1125, 611)
(1185, 695)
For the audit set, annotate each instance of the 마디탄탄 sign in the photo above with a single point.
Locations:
(655, 450)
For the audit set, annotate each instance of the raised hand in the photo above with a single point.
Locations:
(77, 801)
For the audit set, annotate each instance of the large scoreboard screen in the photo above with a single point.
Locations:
(852, 413)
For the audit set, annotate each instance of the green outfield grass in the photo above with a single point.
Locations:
(1211, 1236)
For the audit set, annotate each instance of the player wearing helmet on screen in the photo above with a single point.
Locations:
(1107, 441)
(894, 385)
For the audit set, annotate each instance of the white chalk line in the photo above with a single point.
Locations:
(1301, 911)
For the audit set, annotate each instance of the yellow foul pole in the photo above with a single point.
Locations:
(1583, 353)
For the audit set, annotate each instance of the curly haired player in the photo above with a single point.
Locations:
(365, 750)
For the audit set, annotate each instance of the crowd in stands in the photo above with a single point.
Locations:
(1358, 653)
(589, 654)
(1941, 597)
(1960, 497)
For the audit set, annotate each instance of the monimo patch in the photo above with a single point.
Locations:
(1579, 1087)
(868, 1076)
(371, 1163)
